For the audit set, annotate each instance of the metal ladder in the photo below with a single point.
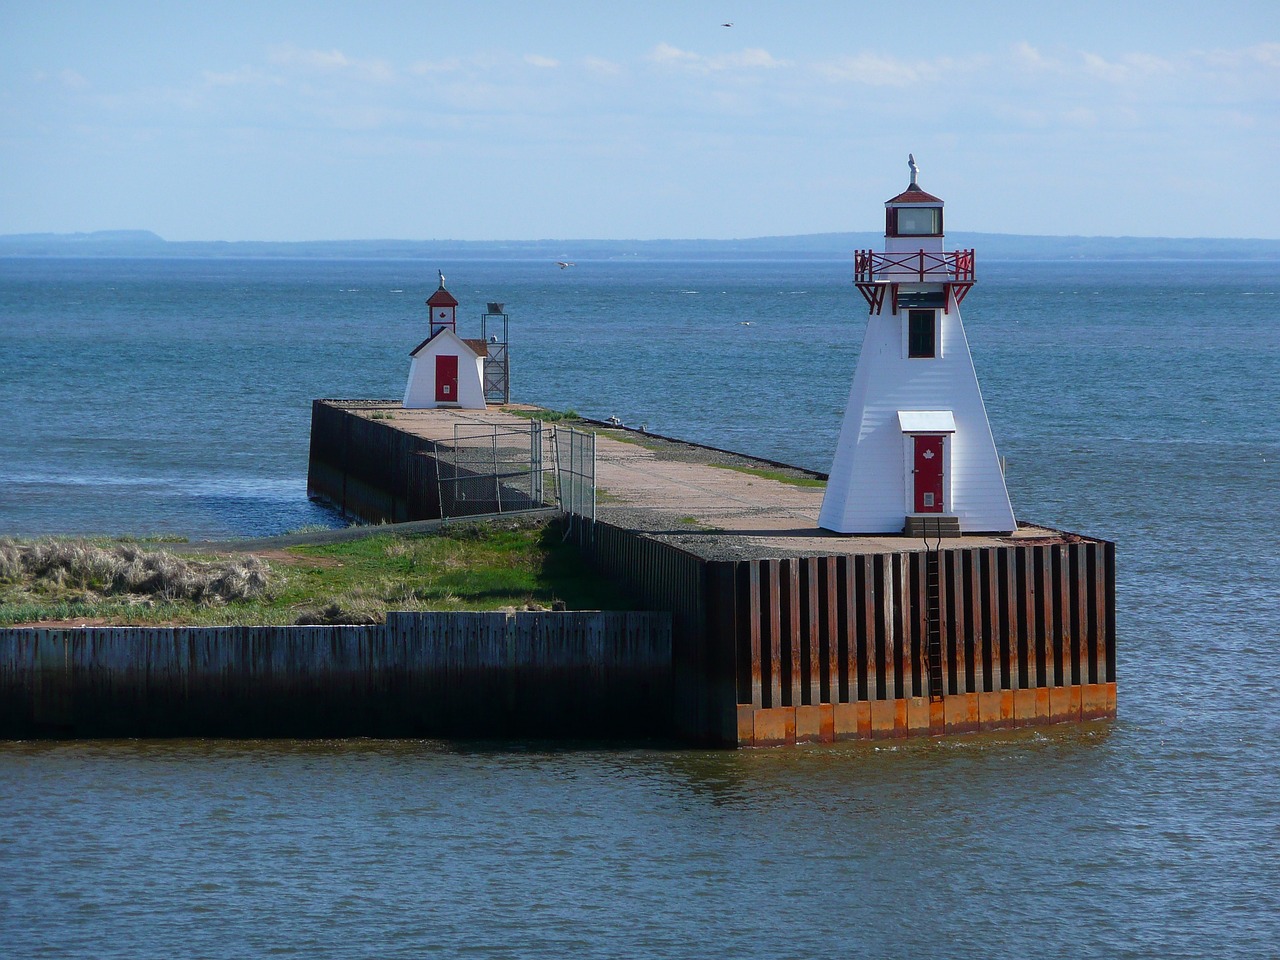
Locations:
(933, 615)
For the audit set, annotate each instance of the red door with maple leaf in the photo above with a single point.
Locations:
(927, 470)
(446, 379)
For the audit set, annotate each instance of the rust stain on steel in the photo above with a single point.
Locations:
(753, 624)
(812, 632)
(775, 634)
(795, 694)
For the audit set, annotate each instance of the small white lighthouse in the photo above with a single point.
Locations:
(915, 445)
(446, 370)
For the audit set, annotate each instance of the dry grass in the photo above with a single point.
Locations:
(495, 565)
(61, 567)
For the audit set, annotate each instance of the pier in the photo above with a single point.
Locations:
(782, 632)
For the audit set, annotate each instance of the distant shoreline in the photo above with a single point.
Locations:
(833, 246)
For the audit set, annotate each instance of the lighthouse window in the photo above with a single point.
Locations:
(922, 333)
(919, 221)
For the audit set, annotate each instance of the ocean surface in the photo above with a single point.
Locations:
(1134, 401)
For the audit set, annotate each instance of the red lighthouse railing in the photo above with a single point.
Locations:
(876, 273)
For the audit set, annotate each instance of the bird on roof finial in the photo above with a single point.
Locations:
(915, 171)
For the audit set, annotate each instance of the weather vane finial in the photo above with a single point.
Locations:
(441, 272)
(915, 171)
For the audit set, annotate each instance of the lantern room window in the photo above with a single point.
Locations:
(922, 334)
(917, 222)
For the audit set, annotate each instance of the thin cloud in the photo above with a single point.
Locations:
(602, 66)
(244, 76)
(69, 79)
(545, 63)
(423, 68)
(1127, 69)
(878, 70)
(72, 80)
(1265, 55)
(1025, 55)
(752, 58)
(332, 61)
(872, 70)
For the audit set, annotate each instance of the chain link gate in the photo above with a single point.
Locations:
(494, 469)
(575, 452)
(491, 469)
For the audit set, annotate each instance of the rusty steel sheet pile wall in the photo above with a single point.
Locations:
(368, 469)
(836, 647)
(529, 674)
(830, 648)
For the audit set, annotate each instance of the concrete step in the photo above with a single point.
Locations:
(934, 525)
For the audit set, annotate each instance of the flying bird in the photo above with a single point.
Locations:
(565, 263)
(726, 24)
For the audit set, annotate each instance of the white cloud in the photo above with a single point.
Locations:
(752, 58)
(72, 80)
(602, 66)
(1267, 54)
(870, 69)
(235, 78)
(1024, 54)
(534, 60)
(1129, 68)
(877, 70)
(425, 67)
(69, 79)
(665, 53)
(332, 61)
(1080, 117)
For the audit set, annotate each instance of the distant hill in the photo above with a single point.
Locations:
(818, 246)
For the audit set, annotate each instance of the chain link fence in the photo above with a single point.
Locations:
(576, 472)
(494, 469)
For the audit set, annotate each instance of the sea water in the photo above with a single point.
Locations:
(1133, 401)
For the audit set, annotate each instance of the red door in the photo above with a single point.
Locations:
(928, 474)
(446, 379)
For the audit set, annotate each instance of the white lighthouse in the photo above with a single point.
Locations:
(915, 447)
(445, 370)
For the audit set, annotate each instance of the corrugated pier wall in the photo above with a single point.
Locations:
(836, 647)
(699, 595)
(534, 674)
(373, 471)
(370, 470)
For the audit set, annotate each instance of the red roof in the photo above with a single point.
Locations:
(442, 298)
(479, 347)
(914, 194)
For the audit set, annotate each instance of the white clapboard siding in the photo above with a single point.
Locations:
(420, 391)
(868, 488)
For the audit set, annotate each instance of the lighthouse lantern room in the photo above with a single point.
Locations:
(446, 370)
(915, 450)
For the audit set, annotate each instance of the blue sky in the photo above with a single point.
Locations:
(517, 120)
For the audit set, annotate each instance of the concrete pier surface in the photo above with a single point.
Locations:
(695, 497)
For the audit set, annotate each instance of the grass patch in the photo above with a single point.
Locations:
(465, 567)
(308, 528)
(629, 436)
(796, 480)
(546, 416)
